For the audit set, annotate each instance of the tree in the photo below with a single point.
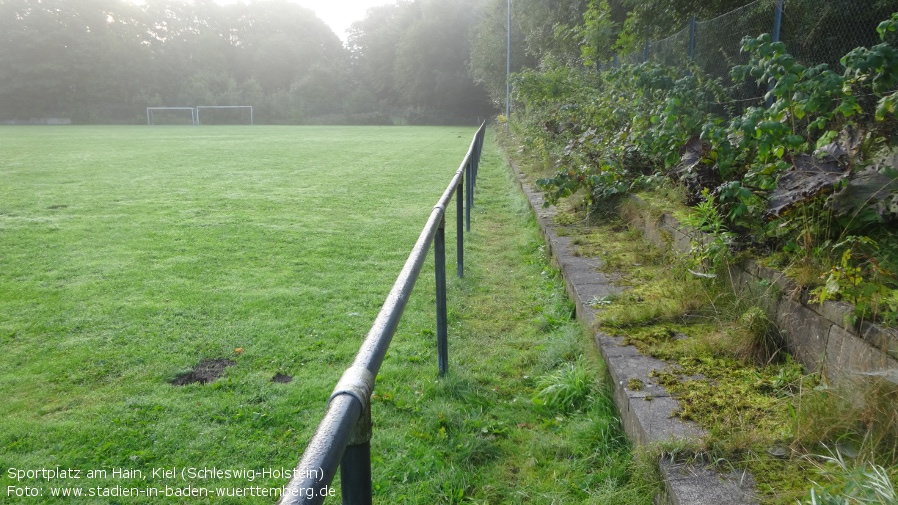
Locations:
(431, 58)
(372, 44)
(59, 58)
(543, 24)
(597, 33)
(322, 90)
(541, 32)
(415, 55)
(105, 60)
(489, 50)
(282, 41)
(649, 19)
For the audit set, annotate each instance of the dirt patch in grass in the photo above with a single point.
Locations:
(205, 371)
(281, 378)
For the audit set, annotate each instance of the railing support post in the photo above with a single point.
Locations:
(460, 229)
(439, 252)
(469, 193)
(476, 162)
(355, 467)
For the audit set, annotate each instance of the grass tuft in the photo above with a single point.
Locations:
(851, 482)
(755, 338)
(567, 389)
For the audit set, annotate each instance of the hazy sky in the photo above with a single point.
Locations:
(338, 14)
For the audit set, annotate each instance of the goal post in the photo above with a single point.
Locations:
(248, 108)
(151, 114)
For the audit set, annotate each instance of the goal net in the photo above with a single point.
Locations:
(224, 114)
(171, 116)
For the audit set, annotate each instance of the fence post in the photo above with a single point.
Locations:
(460, 228)
(777, 20)
(469, 186)
(692, 38)
(477, 151)
(355, 466)
(508, 71)
(777, 24)
(439, 253)
(646, 56)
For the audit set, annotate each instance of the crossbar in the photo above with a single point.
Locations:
(343, 435)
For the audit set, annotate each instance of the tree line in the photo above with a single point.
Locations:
(425, 61)
(106, 60)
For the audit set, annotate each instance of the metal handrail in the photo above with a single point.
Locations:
(343, 437)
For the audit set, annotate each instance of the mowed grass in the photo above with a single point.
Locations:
(128, 255)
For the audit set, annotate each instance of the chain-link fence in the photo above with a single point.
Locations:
(673, 50)
(814, 32)
(718, 42)
(823, 32)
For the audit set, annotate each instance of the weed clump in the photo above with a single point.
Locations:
(567, 389)
(755, 338)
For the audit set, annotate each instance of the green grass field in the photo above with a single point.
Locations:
(128, 255)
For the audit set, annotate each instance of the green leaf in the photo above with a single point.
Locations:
(794, 140)
(885, 106)
(826, 138)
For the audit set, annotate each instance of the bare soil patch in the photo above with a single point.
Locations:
(281, 378)
(207, 370)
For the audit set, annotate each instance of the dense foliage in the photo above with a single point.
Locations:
(414, 56)
(106, 60)
(808, 176)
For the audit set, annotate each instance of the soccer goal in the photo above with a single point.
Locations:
(225, 114)
(171, 115)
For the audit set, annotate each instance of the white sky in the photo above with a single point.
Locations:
(338, 14)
